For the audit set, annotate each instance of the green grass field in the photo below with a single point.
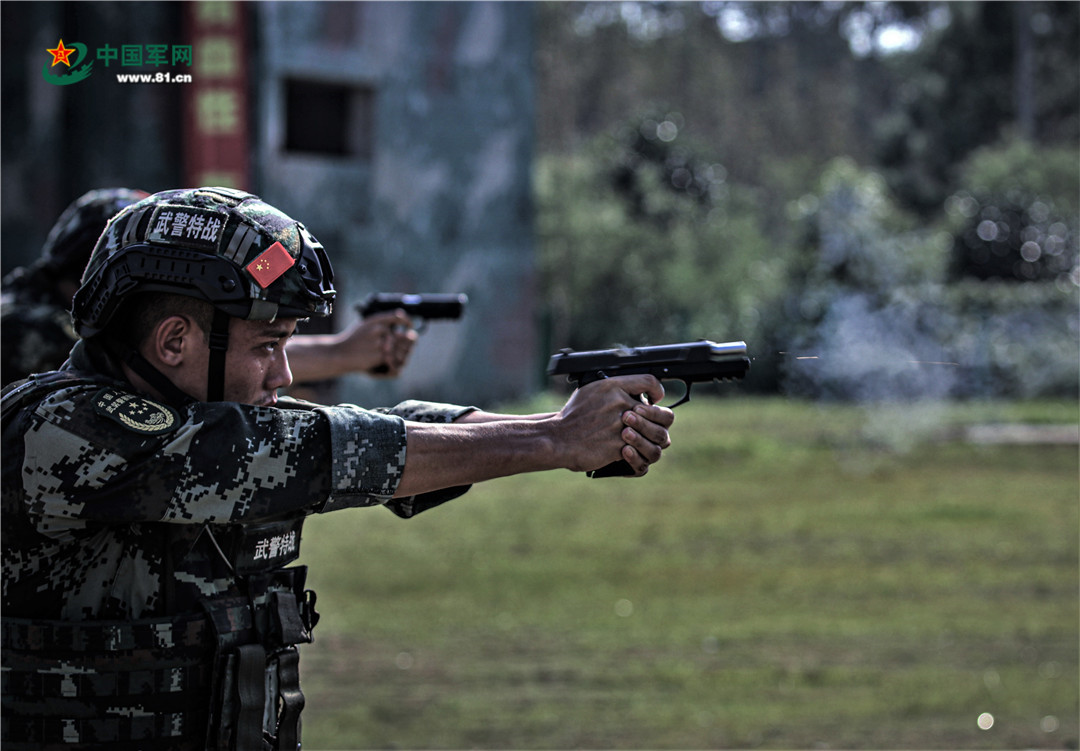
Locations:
(791, 575)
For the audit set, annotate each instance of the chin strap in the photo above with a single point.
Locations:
(219, 344)
(134, 360)
(215, 369)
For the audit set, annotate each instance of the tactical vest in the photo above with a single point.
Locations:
(224, 677)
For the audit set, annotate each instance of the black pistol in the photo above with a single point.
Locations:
(689, 362)
(427, 306)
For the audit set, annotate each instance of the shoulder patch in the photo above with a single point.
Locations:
(136, 412)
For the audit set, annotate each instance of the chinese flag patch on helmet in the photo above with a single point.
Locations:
(270, 264)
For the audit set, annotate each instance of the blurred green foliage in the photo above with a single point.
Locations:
(644, 239)
(1017, 214)
(803, 189)
(651, 247)
(995, 70)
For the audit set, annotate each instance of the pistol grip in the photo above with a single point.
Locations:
(616, 469)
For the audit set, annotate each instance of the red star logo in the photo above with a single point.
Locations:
(61, 54)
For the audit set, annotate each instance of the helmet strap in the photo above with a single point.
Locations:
(142, 367)
(219, 345)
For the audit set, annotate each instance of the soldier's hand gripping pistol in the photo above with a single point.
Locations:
(426, 307)
(689, 362)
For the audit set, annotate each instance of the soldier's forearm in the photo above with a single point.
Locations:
(479, 416)
(471, 451)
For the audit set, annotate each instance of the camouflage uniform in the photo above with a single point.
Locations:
(35, 323)
(145, 588)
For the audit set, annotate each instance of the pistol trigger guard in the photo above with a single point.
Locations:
(686, 396)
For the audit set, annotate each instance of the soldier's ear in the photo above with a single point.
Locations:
(173, 339)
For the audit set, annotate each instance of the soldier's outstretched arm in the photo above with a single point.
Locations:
(600, 423)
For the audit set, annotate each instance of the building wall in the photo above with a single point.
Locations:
(426, 187)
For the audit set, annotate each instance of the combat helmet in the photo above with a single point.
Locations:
(72, 237)
(223, 246)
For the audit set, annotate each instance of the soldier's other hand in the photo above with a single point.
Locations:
(380, 344)
(606, 421)
(646, 435)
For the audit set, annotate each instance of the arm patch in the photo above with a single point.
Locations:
(136, 413)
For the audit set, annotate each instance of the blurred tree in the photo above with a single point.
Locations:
(1017, 216)
(793, 93)
(995, 68)
(815, 174)
(643, 241)
(911, 86)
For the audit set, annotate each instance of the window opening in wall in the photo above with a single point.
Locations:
(326, 118)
